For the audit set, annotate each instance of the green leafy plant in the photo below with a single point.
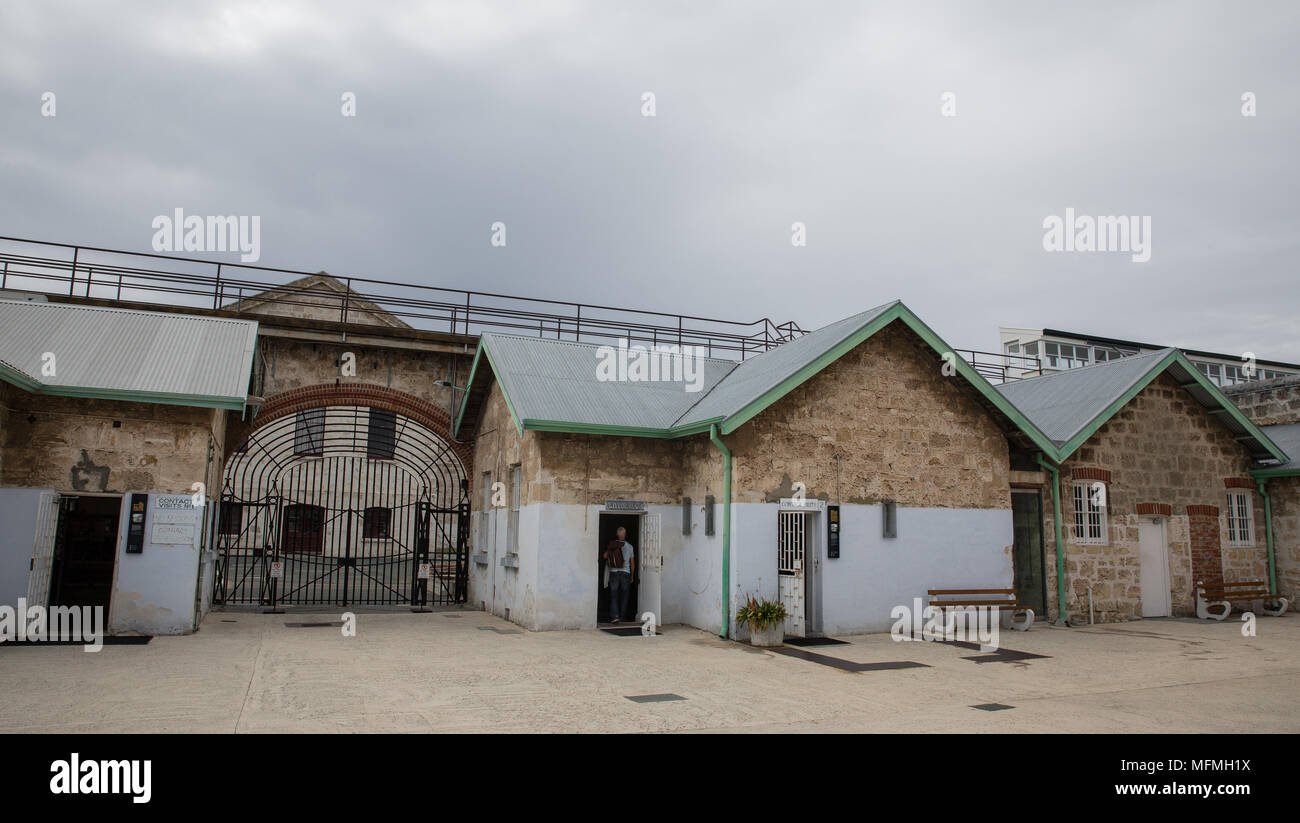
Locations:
(760, 614)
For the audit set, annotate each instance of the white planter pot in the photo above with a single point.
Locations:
(771, 636)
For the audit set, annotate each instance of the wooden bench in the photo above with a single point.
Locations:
(1005, 600)
(1211, 596)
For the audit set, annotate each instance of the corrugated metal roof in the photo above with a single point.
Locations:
(758, 375)
(1287, 438)
(1065, 404)
(128, 354)
(555, 380)
(1062, 404)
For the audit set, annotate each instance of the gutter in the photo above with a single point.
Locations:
(726, 529)
(1268, 531)
(1060, 554)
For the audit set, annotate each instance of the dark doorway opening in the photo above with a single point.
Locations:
(85, 551)
(607, 531)
(1027, 561)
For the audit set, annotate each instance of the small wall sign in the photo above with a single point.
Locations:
(833, 531)
(135, 526)
(625, 505)
(277, 569)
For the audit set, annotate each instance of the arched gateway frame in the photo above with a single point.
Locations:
(343, 505)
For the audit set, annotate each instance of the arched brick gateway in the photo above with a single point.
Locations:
(343, 494)
(351, 394)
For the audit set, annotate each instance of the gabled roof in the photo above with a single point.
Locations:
(553, 386)
(123, 354)
(318, 296)
(1071, 405)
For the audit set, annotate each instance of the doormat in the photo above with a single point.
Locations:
(335, 624)
(108, 640)
(653, 698)
(814, 641)
(847, 665)
(628, 631)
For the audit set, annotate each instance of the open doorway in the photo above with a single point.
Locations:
(85, 551)
(607, 531)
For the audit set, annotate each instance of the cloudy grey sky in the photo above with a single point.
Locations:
(768, 113)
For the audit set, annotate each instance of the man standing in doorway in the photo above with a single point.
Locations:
(618, 561)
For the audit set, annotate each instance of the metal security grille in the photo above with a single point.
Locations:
(790, 542)
(343, 505)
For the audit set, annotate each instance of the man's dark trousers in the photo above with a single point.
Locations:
(620, 584)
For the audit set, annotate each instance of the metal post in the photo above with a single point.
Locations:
(76, 251)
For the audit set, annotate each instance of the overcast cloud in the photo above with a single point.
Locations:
(767, 114)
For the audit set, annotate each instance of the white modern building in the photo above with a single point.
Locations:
(1056, 350)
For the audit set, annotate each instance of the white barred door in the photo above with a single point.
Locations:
(649, 596)
(791, 543)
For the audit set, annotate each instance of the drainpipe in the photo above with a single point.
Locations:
(1268, 531)
(726, 529)
(1060, 556)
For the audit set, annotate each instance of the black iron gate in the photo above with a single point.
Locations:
(343, 505)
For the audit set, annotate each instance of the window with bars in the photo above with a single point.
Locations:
(232, 518)
(381, 434)
(309, 433)
(1090, 513)
(377, 523)
(1241, 519)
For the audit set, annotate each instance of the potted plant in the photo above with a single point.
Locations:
(765, 619)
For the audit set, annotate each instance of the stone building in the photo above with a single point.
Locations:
(112, 427)
(1274, 405)
(303, 444)
(869, 427)
(1151, 472)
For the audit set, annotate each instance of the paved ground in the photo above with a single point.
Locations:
(470, 672)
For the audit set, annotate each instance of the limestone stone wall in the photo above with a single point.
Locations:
(1163, 448)
(293, 364)
(590, 469)
(1268, 402)
(1285, 495)
(497, 446)
(882, 422)
(84, 445)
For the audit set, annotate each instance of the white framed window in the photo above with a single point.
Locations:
(1214, 371)
(1241, 519)
(512, 522)
(1090, 525)
(1065, 355)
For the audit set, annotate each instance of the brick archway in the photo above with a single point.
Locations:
(351, 394)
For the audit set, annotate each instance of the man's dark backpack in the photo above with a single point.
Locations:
(614, 554)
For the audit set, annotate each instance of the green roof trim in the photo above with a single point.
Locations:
(625, 431)
(1175, 356)
(483, 351)
(729, 423)
(1267, 473)
(22, 381)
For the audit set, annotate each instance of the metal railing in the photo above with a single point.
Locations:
(88, 271)
(999, 368)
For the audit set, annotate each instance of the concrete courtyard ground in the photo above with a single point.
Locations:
(465, 671)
